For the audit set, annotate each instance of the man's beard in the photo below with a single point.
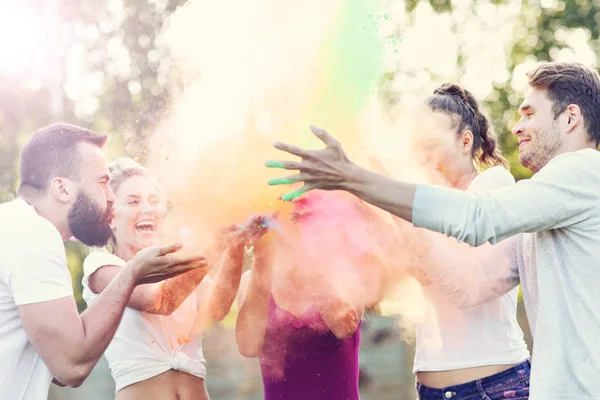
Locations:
(547, 145)
(87, 223)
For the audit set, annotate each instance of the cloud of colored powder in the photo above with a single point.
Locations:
(252, 73)
(256, 72)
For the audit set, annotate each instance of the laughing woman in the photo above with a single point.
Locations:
(156, 352)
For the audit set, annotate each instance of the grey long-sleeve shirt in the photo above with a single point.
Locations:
(558, 261)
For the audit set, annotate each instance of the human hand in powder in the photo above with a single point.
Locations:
(302, 210)
(253, 228)
(155, 264)
(257, 225)
(341, 318)
(326, 169)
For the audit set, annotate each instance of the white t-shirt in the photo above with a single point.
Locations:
(146, 345)
(450, 338)
(557, 212)
(33, 269)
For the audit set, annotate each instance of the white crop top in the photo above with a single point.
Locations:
(449, 338)
(146, 345)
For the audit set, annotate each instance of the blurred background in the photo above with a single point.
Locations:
(102, 64)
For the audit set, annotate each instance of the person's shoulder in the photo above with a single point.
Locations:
(31, 246)
(100, 258)
(492, 178)
(572, 165)
(591, 156)
(575, 157)
(498, 174)
(25, 223)
(97, 259)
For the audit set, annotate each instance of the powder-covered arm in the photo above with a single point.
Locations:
(562, 194)
(254, 298)
(161, 298)
(221, 291)
(468, 276)
(471, 276)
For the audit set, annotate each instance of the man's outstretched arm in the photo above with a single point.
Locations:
(70, 344)
(548, 200)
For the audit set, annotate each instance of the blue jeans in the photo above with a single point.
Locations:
(511, 384)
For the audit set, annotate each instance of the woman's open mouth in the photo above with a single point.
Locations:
(146, 226)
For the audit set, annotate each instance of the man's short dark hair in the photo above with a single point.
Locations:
(571, 83)
(51, 152)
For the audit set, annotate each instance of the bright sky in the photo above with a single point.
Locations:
(23, 36)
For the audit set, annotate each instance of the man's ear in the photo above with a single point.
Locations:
(62, 189)
(574, 116)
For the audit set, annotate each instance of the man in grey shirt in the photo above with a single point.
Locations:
(558, 210)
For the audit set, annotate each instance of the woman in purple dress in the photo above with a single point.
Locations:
(304, 329)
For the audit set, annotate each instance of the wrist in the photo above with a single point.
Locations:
(133, 271)
(233, 256)
(130, 274)
(355, 177)
(262, 279)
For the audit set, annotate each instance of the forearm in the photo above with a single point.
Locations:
(251, 324)
(467, 276)
(449, 266)
(225, 286)
(99, 324)
(70, 343)
(549, 200)
(170, 294)
(470, 276)
(561, 195)
(393, 196)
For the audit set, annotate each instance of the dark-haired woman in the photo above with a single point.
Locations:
(479, 352)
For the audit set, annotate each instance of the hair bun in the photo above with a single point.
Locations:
(123, 163)
(452, 89)
(453, 99)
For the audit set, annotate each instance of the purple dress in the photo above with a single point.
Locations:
(301, 359)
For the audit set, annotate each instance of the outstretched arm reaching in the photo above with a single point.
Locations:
(549, 200)
(254, 298)
(222, 291)
(70, 344)
(468, 276)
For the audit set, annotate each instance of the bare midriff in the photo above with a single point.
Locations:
(443, 379)
(170, 385)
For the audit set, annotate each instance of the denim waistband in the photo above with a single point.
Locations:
(475, 389)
